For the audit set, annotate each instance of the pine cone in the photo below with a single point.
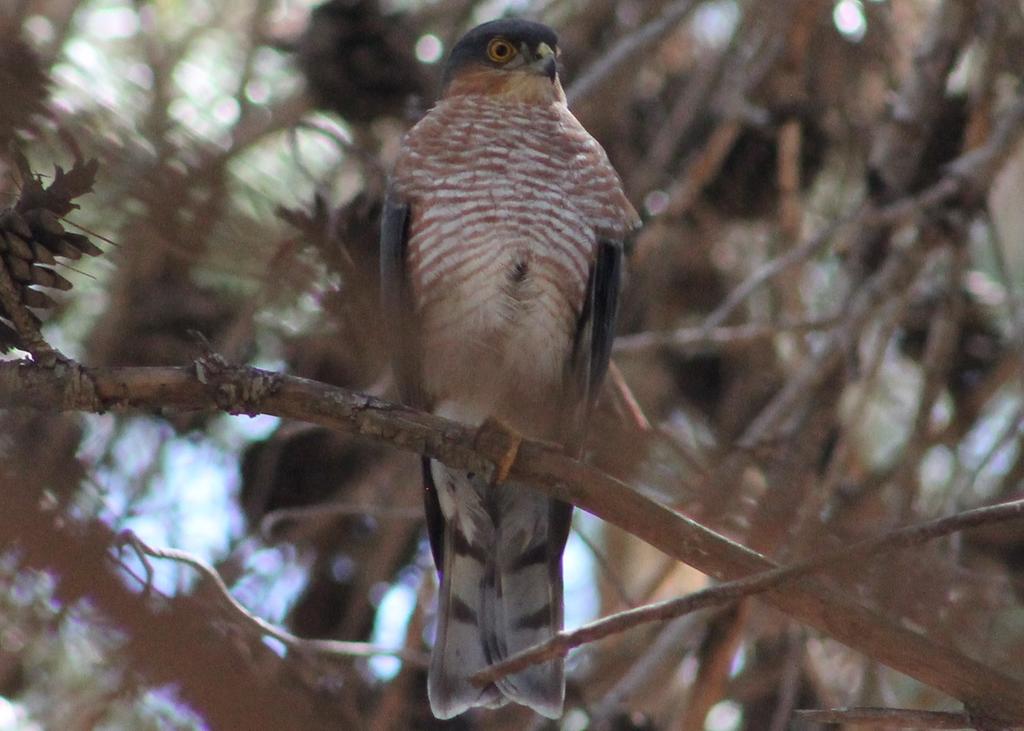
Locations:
(32, 238)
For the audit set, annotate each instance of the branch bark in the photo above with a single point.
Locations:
(731, 591)
(209, 385)
(891, 718)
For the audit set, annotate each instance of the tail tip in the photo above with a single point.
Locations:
(449, 696)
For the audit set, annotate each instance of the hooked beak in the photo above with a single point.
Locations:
(544, 62)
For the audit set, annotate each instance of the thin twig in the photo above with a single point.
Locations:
(625, 399)
(936, 364)
(888, 718)
(610, 574)
(698, 340)
(333, 510)
(99, 236)
(674, 640)
(560, 644)
(263, 627)
(1010, 433)
(628, 48)
(869, 372)
(765, 274)
(702, 168)
(722, 638)
(897, 150)
(1014, 298)
(817, 370)
(790, 679)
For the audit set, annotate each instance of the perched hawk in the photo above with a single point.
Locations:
(501, 248)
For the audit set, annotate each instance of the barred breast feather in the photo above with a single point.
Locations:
(507, 203)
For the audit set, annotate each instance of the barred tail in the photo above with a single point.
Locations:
(458, 652)
(501, 592)
(527, 600)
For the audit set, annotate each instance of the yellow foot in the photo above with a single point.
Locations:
(500, 443)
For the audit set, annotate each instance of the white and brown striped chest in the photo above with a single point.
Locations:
(506, 203)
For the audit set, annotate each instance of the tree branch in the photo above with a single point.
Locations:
(731, 591)
(209, 385)
(698, 340)
(261, 626)
(629, 48)
(888, 718)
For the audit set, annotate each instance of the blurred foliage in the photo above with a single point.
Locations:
(241, 150)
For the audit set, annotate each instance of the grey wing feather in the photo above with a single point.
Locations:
(595, 332)
(396, 300)
(605, 297)
(592, 351)
(400, 330)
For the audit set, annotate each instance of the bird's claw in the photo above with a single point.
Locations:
(500, 443)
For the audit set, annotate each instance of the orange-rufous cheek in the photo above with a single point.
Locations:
(518, 85)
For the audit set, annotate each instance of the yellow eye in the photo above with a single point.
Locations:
(500, 51)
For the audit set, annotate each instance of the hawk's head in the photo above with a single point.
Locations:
(509, 57)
